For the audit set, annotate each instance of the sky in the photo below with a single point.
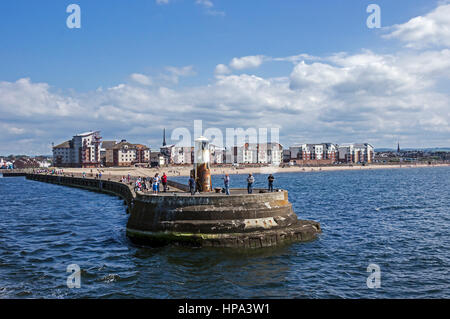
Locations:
(312, 69)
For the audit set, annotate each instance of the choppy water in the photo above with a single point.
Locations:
(397, 219)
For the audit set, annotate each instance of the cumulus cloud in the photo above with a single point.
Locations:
(433, 29)
(176, 72)
(246, 62)
(222, 69)
(255, 61)
(26, 99)
(141, 79)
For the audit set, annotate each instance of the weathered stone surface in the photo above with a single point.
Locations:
(207, 220)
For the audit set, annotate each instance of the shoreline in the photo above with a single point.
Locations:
(174, 171)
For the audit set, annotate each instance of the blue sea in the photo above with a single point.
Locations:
(398, 219)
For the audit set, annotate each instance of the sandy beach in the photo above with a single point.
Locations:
(185, 170)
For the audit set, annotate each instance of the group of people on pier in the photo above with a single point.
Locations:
(144, 184)
(226, 181)
(251, 181)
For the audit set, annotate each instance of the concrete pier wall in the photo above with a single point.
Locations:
(103, 186)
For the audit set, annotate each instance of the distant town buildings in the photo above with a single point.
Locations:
(256, 153)
(23, 161)
(184, 155)
(157, 159)
(324, 153)
(88, 150)
(329, 153)
(125, 154)
(83, 150)
(356, 153)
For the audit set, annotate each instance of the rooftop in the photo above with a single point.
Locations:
(65, 144)
(87, 133)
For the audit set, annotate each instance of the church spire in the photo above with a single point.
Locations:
(164, 137)
(398, 147)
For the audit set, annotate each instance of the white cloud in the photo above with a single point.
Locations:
(176, 72)
(295, 58)
(246, 62)
(205, 3)
(27, 99)
(141, 79)
(433, 29)
(255, 61)
(162, 1)
(222, 69)
(209, 7)
(181, 71)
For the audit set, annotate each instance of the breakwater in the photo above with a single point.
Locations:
(242, 220)
(13, 172)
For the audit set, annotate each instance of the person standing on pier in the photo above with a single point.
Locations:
(192, 185)
(164, 181)
(156, 181)
(271, 179)
(226, 181)
(250, 181)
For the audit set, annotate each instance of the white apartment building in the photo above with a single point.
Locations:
(267, 153)
(217, 154)
(178, 155)
(63, 154)
(83, 150)
(182, 155)
(356, 153)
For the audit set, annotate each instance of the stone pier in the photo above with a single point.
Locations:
(242, 220)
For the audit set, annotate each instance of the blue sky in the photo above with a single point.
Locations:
(121, 37)
(97, 71)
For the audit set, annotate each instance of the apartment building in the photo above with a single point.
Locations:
(356, 153)
(323, 153)
(126, 154)
(178, 155)
(257, 153)
(83, 150)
